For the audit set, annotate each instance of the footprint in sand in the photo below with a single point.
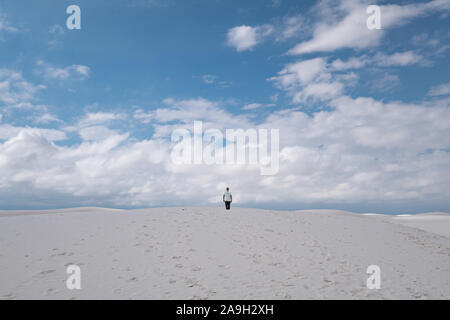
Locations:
(46, 272)
(192, 283)
(49, 291)
(59, 254)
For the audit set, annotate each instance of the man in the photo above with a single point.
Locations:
(227, 198)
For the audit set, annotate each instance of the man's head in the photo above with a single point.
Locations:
(228, 189)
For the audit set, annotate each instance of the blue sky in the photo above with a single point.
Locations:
(86, 115)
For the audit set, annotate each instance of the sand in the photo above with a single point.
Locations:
(208, 253)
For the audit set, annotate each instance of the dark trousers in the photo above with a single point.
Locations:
(227, 205)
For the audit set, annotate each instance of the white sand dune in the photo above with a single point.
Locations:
(436, 222)
(208, 253)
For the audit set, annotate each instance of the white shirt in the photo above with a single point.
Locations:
(227, 196)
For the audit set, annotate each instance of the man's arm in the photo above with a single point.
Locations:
(223, 197)
(231, 198)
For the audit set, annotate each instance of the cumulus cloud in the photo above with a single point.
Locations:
(360, 150)
(16, 92)
(74, 71)
(292, 26)
(309, 79)
(343, 24)
(440, 90)
(8, 131)
(321, 79)
(93, 126)
(244, 38)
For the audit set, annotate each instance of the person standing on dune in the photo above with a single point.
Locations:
(227, 198)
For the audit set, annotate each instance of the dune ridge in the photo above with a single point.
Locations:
(209, 253)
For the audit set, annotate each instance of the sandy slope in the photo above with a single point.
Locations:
(207, 253)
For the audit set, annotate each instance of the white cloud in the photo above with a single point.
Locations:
(9, 132)
(351, 63)
(208, 78)
(300, 73)
(74, 71)
(424, 39)
(5, 25)
(56, 34)
(360, 150)
(343, 25)
(95, 118)
(440, 90)
(57, 29)
(46, 118)
(287, 27)
(142, 116)
(319, 91)
(291, 27)
(244, 37)
(385, 83)
(252, 106)
(310, 79)
(398, 59)
(93, 126)
(189, 110)
(320, 80)
(16, 92)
